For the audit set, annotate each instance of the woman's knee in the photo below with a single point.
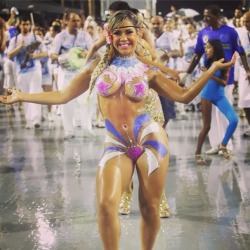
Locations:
(107, 207)
(150, 209)
(234, 121)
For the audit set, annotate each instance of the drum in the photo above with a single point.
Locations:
(162, 56)
(72, 59)
(29, 50)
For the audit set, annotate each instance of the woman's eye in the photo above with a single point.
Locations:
(129, 32)
(117, 33)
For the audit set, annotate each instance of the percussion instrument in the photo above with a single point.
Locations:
(29, 50)
(73, 59)
(162, 56)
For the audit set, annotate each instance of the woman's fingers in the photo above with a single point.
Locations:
(3, 99)
(233, 59)
(9, 98)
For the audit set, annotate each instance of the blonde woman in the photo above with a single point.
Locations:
(134, 141)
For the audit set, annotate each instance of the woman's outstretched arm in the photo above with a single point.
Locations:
(173, 91)
(78, 85)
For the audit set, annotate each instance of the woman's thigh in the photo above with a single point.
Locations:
(114, 177)
(227, 109)
(151, 185)
(206, 108)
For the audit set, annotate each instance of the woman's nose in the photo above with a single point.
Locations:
(123, 37)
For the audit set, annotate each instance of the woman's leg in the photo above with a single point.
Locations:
(150, 191)
(111, 181)
(206, 108)
(247, 112)
(227, 109)
(127, 196)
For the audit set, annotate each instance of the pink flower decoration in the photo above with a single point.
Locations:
(107, 34)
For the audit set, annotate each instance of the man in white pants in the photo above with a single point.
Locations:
(26, 49)
(243, 78)
(67, 39)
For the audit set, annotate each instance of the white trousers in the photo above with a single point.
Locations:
(77, 109)
(31, 82)
(243, 89)
(10, 78)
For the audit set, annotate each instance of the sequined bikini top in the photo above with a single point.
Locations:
(124, 72)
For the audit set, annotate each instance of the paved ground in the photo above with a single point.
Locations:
(47, 191)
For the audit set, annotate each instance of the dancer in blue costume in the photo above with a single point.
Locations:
(215, 29)
(214, 93)
(134, 140)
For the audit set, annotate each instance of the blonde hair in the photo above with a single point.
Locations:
(142, 48)
(115, 22)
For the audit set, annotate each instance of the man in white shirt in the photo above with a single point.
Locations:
(67, 39)
(26, 49)
(165, 41)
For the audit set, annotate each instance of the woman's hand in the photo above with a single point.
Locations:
(13, 96)
(175, 75)
(220, 65)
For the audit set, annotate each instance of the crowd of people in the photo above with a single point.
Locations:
(173, 38)
(130, 76)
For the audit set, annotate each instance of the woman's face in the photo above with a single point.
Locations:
(125, 38)
(209, 50)
(52, 32)
(39, 33)
(90, 30)
(190, 29)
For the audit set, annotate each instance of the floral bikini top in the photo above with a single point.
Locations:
(124, 72)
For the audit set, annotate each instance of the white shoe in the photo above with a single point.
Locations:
(37, 125)
(69, 135)
(88, 134)
(50, 117)
(58, 111)
(212, 151)
(100, 125)
(247, 134)
(28, 126)
(76, 123)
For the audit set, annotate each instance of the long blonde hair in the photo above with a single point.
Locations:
(142, 48)
(117, 19)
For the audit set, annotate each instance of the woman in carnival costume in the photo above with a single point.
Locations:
(134, 141)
